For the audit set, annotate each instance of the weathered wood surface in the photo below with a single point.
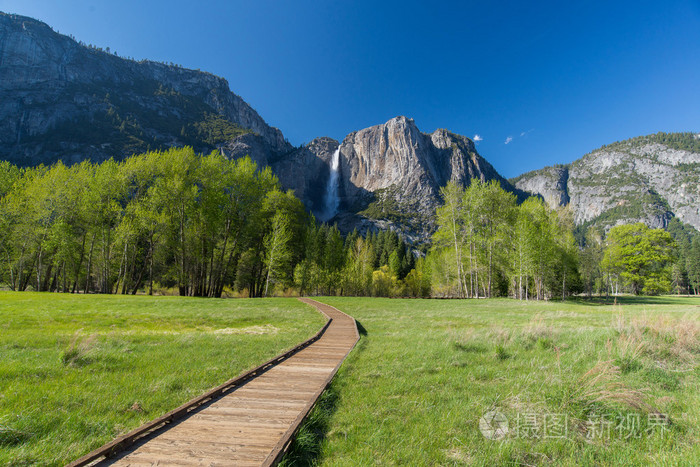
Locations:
(252, 423)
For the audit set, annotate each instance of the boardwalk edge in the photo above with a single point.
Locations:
(125, 441)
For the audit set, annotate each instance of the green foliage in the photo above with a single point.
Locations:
(377, 264)
(124, 125)
(213, 129)
(641, 257)
(501, 352)
(693, 265)
(174, 218)
(204, 224)
(486, 245)
(141, 357)
(387, 205)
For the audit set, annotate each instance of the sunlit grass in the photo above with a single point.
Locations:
(77, 371)
(425, 372)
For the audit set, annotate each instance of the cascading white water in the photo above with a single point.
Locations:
(332, 200)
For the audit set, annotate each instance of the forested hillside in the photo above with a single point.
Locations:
(64, 100)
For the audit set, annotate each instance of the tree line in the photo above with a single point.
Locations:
(208, 226)
(487, 245)
(201, 225)
(172, 218)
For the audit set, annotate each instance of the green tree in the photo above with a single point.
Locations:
(641, 256)
(450, 229)
(591, 257)
(693, 265)
(359, 267)
(277, 251)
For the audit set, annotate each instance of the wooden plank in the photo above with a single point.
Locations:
(250, 420)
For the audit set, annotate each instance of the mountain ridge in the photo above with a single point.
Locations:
(49, 82)
(648, 179)
(392, 163)
(62, 100)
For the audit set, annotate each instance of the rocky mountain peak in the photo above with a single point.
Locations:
(49, 84)
(395, 164)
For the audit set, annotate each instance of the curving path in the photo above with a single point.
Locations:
(254, 422)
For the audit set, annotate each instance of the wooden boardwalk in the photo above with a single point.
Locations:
(254, 422)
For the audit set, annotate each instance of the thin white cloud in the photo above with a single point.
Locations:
(523, 133)
(477, 138)
(509, 139)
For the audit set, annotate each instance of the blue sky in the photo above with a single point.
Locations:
(554, 79)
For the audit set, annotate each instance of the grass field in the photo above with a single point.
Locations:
(76, 371)
(580, 383)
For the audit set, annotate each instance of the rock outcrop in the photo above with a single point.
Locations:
(550, 183)
(397, 155)
(306, 171)
(63, 100)
(638, 180)
(390, 175)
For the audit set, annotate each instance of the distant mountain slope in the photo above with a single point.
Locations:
(61, 99)
(649, 179)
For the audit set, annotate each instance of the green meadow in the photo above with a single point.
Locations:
(579, 383)
(77, 371)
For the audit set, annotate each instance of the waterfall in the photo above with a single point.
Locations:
(332, 200)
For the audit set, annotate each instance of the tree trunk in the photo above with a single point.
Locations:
(89, 265)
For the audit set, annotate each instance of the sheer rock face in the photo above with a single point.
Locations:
(393, 160)
(47, 79)
(306, 171)
(252, 145)
(397, 155)
(550, 183)
(633, 181)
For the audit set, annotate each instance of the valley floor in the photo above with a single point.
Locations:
(77, 371)
(574, 383)
(579, 383)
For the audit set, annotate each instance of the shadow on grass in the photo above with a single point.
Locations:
(632, 300)
(306, 447)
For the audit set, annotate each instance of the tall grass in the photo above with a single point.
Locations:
(427, 370)
(77, 371)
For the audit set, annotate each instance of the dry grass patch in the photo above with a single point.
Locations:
(602, 384)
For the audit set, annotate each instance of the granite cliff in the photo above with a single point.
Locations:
(390, 175)
(63, 100)
(648, 179)
(60, 99)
